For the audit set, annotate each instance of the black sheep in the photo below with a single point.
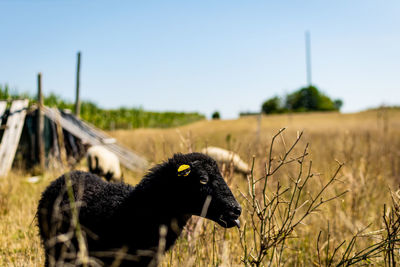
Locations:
(119, 221)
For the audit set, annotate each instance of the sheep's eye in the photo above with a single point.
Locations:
(184, 170)
(204, 180)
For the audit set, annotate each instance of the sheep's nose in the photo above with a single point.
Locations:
(237, 210)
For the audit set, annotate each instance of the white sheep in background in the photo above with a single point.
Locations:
(224, 156)
(103, 162)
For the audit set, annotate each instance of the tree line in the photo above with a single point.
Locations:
(109, 119)
(305, 99)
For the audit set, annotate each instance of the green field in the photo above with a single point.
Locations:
(110, 119)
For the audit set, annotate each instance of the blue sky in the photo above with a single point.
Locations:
(202, 55)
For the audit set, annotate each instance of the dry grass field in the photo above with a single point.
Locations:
(333, 202)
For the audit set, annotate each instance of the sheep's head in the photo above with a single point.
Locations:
(204, 191)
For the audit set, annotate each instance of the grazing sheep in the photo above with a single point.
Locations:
(225, 156)
(122, 222)
(104, 163)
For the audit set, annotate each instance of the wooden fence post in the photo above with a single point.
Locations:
(40, 124)
(77, 100)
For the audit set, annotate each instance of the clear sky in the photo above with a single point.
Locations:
(202, 55)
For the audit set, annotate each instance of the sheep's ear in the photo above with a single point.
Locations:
(184, 170)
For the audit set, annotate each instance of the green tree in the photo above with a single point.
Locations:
(338, 103)
(216, 115)
(309, 99)
(272, 105)
(4, 92)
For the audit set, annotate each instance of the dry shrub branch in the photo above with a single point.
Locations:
(275, 214)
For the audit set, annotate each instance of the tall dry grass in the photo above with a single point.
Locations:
(358, 227)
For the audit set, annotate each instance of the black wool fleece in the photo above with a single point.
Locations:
(122, 221)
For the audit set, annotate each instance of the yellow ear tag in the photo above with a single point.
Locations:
(184, 170)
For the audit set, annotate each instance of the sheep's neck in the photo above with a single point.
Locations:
(154, 212)
(159, 203)
(158, 199)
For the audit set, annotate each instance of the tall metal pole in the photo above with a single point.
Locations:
(40, 124)
(77, 100)
(308, 57)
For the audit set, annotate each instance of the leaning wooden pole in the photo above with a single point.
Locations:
(77, 100)
(40, 124)
(308, 58)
